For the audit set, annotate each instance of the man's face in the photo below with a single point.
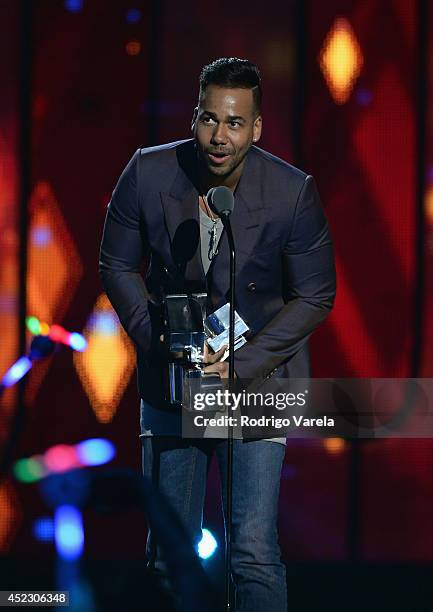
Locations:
(224, 126)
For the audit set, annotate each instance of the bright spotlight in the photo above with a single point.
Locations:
(16, 371)
(207, 545)
(68, 532)
(95, 451)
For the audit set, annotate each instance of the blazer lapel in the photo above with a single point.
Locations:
(181, 214)
(246, 215)
(182, 221)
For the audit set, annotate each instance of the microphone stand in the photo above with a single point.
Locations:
(229, 488)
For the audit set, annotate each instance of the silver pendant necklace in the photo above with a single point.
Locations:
(213, 246)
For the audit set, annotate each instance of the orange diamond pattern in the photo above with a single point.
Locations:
(106, 366)
(54, 267)
(341, 60)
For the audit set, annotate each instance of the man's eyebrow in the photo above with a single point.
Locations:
(229, 117)
(235, 118)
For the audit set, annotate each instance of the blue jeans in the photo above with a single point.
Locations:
(179, 468)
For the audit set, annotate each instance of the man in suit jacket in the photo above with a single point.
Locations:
(285, 286)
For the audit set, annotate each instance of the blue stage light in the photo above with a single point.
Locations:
(41, 236)
(68, 532)
(77, 342)
(207, 545)
(74, 6)
(16, 371)
(105, 323)
(43, 529)
(133, 15)
(95, 451)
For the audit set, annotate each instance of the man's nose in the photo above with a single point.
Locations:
(219, 135)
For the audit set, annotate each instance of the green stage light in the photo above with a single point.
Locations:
(33, 325)
(28, 470)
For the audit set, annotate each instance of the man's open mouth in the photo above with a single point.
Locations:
(218, 157)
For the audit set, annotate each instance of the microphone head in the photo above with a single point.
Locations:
(221, 200)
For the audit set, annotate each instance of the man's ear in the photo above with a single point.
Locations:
(257, 128)
(194, 118)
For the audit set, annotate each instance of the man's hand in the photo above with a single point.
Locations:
(220, 367)
(211, 357)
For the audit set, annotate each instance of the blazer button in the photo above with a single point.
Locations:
(251, 287)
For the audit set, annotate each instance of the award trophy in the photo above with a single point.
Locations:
(186, 330)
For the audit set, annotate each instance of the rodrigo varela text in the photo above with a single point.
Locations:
(263, 421)
(234, 401)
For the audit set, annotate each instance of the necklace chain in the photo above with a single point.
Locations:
(213, 246)
(208, 210)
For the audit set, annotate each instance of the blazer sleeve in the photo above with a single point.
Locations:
(123, 248)
(310, 284)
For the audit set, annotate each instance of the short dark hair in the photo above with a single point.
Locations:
(233, 72)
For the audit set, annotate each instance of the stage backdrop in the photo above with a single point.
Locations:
(341, 101)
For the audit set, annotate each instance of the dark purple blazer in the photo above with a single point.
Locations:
(285, 276)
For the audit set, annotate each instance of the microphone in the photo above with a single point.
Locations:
(221, 200)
